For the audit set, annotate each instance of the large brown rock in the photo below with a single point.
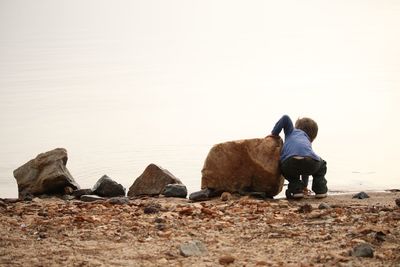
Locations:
(244, 165)
(46, 174)
(152, 181)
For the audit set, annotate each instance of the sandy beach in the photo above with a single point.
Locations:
(240, 231)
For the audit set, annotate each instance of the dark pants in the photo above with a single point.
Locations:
(293, 168)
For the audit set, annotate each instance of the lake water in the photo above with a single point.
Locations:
(124, 84)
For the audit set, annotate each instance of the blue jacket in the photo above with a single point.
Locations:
(297, 142)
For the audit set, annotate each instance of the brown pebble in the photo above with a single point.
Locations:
(226, 259)
(226, 196)
(398, 202)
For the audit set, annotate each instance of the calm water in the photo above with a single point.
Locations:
(122, 85)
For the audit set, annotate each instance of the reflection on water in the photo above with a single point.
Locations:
(127, 84)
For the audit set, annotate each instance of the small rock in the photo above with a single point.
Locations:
(68, 190)
(80, 192)
(106, 187)
(118, 200)
(90, 198)
(152, 208)
(226, 196)
(201, 195)
(226, 259)
(43, 213)
(363, 250)
(68, 197)
(397, 202)
(324, 206)
(175, 190)
(161, 226)
(306, 208)
(361, 195)
(380, 236)
(192, 248)
(159, 220)
(42, 235)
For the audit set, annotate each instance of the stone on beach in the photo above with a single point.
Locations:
(46, 174)
(192, 248)
(106, 187)
(90, 198)
(80, 192)
(244, 165)
(152, 181)
(175, 190)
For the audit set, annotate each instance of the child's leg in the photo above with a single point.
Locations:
(319, 181)
(304, 179)
(291, 173)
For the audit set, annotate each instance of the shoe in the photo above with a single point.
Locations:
(323, 195)
(290, 195)
(298, 195)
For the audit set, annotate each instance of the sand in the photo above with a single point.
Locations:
(241, 231)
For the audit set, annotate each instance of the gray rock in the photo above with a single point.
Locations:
(80, 192)
(68, 197)
(361, 195)
(46, 174)
(397, 201)
(175, 190)
(192, 248)
(204, 194)
(324, 206)
(91, 198)
(106, 187)
(152, 181)
(363, 250)
(152, 208)
(118, 200)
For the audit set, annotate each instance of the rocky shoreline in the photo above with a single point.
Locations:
(229, 230)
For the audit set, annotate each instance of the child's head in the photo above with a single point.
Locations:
(309, 126)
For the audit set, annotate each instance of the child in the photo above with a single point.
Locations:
(299, 159)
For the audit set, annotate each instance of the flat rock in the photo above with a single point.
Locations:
(80, 192)
(90, 198)
(361, 195)
(245, 165)
(106, 187)
(192, 248)
(118, 200)
(397, 201)
(45, 174)
(152, 181)
(175, 190)
(363, 250)
(204, 194)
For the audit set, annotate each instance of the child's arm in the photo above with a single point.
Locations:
(284, 123)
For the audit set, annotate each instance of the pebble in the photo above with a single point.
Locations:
(324, 206)
(363, 250)
(226, 260)
(397, 202)
(118, 200)
(306, 208)
(361, 195)
(80, 192)
(90, 198)
(175, 190)
(226, 196)
(152, 208)
(192, 248)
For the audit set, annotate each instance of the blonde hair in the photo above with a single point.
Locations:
(309, 126)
